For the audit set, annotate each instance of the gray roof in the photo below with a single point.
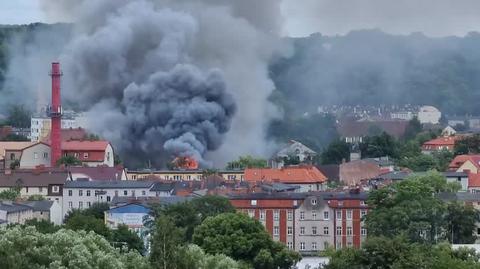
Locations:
(167, 200)
(163, 186)
(113, 184)
(455, 174)
(395, 175)
(459, 196)
(300, 195)
(11, 207)
(39, 205)
(279, 187)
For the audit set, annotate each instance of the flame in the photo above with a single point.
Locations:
(188, 163)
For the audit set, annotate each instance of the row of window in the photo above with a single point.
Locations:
(89, 193)
(55, 189)
(349, 230)
(276, 214)
(313, 246)
(80, 204)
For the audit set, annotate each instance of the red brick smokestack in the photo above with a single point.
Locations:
(55, 113)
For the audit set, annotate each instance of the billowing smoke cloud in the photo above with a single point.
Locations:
(171, 78)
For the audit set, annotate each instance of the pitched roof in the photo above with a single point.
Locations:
(473, 180)
(395, 128)
(69, 134)
(289, 174)
(39, 205)
(85, 145)
(33, 178)
(13, 145)
(167, 200)
(442, 141)
(461, 159)
(113, 184)
(292, 147)
(11, 207)
(163, 186)
(99, 172)
(355, 171)
(331, 171)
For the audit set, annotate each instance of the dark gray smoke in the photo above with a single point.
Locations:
(164, 78)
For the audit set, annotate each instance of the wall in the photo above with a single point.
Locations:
(38, 154)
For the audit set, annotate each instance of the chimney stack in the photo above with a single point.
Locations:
(55, 113)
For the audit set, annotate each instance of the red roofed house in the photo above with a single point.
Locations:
(90, 153)
(462, 163)
(69, 134)
(473, 182)
(440, 143)
(308, 177)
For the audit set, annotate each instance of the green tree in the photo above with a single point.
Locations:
(211, 205)
(10, 194)
(88, 223)
(69, 160)
(336, 152)
(122, 235)
(43, 226)
(247, 162)
(193, 257)
(18, 116)
(241, 238)
(24, 248)
(460, 222)
(379, 146)
(468, 145)
(413, 128)
(36, 197)
(167, 242)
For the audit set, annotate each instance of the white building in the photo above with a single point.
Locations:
(82, 194)
(293, 149)
(429, 114)
(403, 115)
(41, 125)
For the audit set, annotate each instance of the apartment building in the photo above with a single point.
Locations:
(81, 194)
(184, 175)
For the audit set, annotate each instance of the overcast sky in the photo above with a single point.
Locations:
(303, 17)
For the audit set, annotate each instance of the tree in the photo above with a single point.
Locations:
(192, 257)
(23, 248)
(336, 152)
(414, 127)
(68, 160)
(43, 226)
(15, 137)
(18, 116)
(96, 210)
(10, 194)
(241, 238)
(468, 145)
(460, 221)
(88, 223)
(167, 241)
(247, 162)
(379, 146)
(211, 205)
(36, 197)
(122, 235)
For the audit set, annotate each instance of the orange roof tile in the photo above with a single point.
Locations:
(473, 180)
(461, 159)
(10, 145)
(442, 141)
(291, 174)
(85, 145)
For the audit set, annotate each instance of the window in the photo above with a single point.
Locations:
(108, 156)
(302, 245)
(302, 215)
(40, 189)
(314, 245)
(325, 230)
(116, 193)
(56, 189)
(88, 192)
(339, 230)
(314, 215)
(144, 193)
(12, 156)
(289, 215)
(338, 245)
(362, 203)
(478, 231)
(314, 201)
(275, 215)
(85, 155)
(80, 205)
(125, 193)
(253, 202)
(45, 155)
(289, 245)
(251, 213)
(70, 204)
(70, 192)
(262, 214)
(302, 230)
(108, 198)
(363, 231)
(80, 192)
(314, 230)
(340, 203)
(26, 189)
(89, 204)
(349, 230)
(339, 214)
(133, 193)
(363, 213)
(275, 230)
(349, 214)
(35, 155)
(289, 230)
(325, 215)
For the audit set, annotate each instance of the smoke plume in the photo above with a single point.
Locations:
(164, 78)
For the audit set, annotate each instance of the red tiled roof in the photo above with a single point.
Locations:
(352, 173)
(292, 174)
(442, 141)
(395, 128)
(473, 180)
(99, 172)
(69, 134)
(86, 145)
(461, 159)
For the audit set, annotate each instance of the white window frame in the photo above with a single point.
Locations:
(276, 214)
(314, 230)
(289, 215)
(326, 230)
(349, 214)
(276, 230)
(314, 215)
(302, 215)
(363, 231)
(339, 230)
(302, 245)
(302, 230)
(326, 215)
(349, 230)
(314, 201)
(289, 230)
(339, 214)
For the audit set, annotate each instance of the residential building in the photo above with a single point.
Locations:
(183, 175)
(23, 154)
(162, 189)
(448, 131)
(462, 178)
(293, 149)
(41, 181)
(440, 143)
(81, 194)
(308, 177)
(101, 172)
(354, 131)
(461, 163)
(46, 210)
(90, 153)
(14, 213)
(41, 124)
(355, 172)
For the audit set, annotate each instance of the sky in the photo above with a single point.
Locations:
(333, 17)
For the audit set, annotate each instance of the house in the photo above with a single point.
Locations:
(474, 183)
(448, 131)
(82, 194)
(90, 153)
(465, 162)
(429, 114)
(293, 149)
(15, 213)
(308, 177)
(46, 210)
(47, 182)
(354, 131)
(24, 154)
(440, 143)
(355, 172)
(462, 178)
(162, 189)
(101, 172)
